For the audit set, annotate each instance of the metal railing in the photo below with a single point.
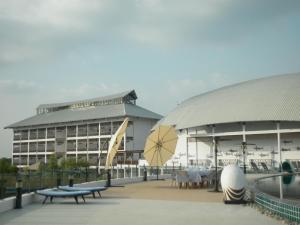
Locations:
(289, 211)
(33, 181)
(283, 208)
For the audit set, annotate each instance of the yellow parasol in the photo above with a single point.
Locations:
(115, 143)
(160, 146)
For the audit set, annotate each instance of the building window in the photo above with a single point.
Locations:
(71, 131)
(41, 147)
(50, 146)
(71, 146)
(24, 147)
(105, 128)
(93, 145)
(24, 135)
(16, 148)
(50, 133)
(82, 131)
(33, 134)
(93, 129)
(60, 132)
(41, 158)
(32, 147)
(41, 133)
(82, 145)
(116, 126)
(104, 142)
(23, 160)
(17, 135)
(32, 160)
(93, 159)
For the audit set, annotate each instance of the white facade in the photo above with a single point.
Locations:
(30, 148)
(195, 145)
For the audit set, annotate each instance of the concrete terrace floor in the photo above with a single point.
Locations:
(148, 203)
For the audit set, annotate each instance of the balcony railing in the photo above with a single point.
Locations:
(93, 130)
(71, 131)
(51, 133)
(41, 133)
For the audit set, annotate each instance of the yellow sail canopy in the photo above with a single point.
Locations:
(115, 143)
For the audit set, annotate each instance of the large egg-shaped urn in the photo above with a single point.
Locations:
(233, 184)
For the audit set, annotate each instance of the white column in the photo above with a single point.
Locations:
(187, 147)
(280, 158)
(87, 142)
(28, 148)
(99, 148)
(244, 146)
(76, 143)
(139, 169)
(197, 158)
(244, 132)
(214, 144)
(46, 137)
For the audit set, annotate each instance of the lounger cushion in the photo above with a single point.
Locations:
(75, 188)
(60, 193)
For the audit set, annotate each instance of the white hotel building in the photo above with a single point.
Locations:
(82, 130)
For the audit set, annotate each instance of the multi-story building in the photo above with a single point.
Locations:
(82, 130)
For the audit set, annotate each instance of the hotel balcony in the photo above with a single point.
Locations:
(71, 131)
(41, 147)
(33, 134)
(105, 129)
(24, 147)
(93, 145)
(82, 131)
(16, 148)
(32, 147)
(82, 145)
(50, 133)
(32, 160)
(93, 130)
(71, 146)
(93, 159)
(50, 146)
(41, 133)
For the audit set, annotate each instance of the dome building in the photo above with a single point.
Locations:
(256, 122)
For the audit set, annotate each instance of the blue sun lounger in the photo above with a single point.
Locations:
(55, 193)
(90, 189)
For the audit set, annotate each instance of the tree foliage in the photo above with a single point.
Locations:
(6, 166)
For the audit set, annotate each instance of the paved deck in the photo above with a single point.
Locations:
(152, 203)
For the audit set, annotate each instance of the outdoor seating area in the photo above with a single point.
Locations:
(191, 178)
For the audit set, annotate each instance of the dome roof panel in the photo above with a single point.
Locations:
(275, 98)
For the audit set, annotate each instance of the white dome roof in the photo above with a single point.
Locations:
(275, 98)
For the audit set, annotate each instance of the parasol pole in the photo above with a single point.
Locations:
(157, 167)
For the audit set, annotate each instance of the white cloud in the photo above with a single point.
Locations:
(33, 29)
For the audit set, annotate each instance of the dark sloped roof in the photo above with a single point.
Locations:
(99, 112)
(275, 98)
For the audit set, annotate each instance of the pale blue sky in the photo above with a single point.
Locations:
(167, 50)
